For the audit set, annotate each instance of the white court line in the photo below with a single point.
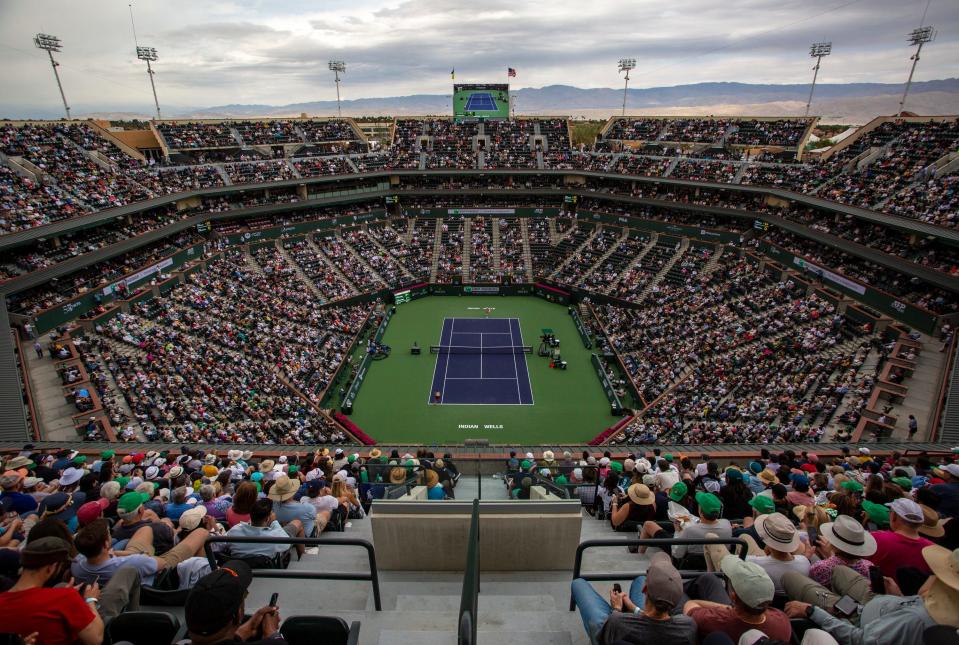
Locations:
(473, 378)
(519, 395)
(446, 369)
(481, 355)
(529, 379)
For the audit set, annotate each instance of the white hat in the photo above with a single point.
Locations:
(907, 510)
(282, 459)
(529, 455)
(952, 469)
(847, 535)
(159, 462)
(234, 455)
(548, 455)
(70, 476)
(191, 519)
(604, 461)
(578, 473)
(864, 451)
(778, 532)
(544, 472)
(152, 472)
(316, 473)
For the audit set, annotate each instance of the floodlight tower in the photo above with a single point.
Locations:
(52, 44)
(626, 64)
(817, 51)
(337, 66)
(149, 54)
(918, 37)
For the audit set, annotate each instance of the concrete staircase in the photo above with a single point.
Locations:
(495, 244)
(299, 273)
(671, 167)
(358, 257)
(224, 175)
(399, 265)
(666, 267)
(577, 251)
(527, 254)
(653, 236)
(609, 251)
(437, 245)
(331, 264)
(467, 248)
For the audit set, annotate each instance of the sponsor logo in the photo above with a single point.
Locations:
(477, 426)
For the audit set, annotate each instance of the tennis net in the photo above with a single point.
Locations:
(469, 349)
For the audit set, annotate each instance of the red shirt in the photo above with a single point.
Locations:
(894, 550)
(724, 619)
(58, 615)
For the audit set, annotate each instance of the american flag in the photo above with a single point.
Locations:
(510, 72)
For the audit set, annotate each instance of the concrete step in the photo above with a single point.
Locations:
(524, 638)
(488, 604)
(404, 637)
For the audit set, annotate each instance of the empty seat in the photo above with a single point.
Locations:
(143, 628)
(329, 630)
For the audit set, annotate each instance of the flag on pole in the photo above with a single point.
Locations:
(453, 74)
(510, 72)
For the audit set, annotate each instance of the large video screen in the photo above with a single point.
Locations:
(480, 102)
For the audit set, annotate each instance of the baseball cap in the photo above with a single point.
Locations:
(708, 503)
(852, 486)
(878, 513)
(678, 491)
(763, 504)
(217, 597)
(903, 482)
(91, 511)
(749, 580)
(907, 510)
(952, 469)
(131, 501)
(663, 581)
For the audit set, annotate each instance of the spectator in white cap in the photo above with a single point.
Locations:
(902, 545)
(949, 491)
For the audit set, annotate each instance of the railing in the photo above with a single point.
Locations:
(371, 577)
(665, 544)
(469, 600)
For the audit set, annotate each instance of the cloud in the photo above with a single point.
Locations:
(213, 53)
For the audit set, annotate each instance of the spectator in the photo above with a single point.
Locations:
(215, 610)
(644, 615)
(287, 509)
(66, 614)
(745, 607)
(842, 543)
(243, 500)
(887, 619)
(639, 507)
(710, 509)
(902, 546)
(948, 492)
(263, 524)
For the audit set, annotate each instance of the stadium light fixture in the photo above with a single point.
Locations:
(626, 64)
(917, 38)
(149, 54)
(817, 51)
(337, 66)
(52, 44)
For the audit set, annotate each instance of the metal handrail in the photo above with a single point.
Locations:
(657, 542)
(372, 576)
(469, 600)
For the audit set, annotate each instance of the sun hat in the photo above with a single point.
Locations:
(763, 503)
(57, 505)
(283, 489)
(397, 475)
(191, 519)
(777, 532)
(375, 453)
(876, 512)
(663, 582)
(932, 524)
(216, 598)
(91, 511)
(247, 455)
(907, 510)
(234, 455)
(847, 535)
(942, 600)
(175, 472)
(640, 494)
(152, 472)
(678, 491)
(30, 482)
(629, 465)
(70, 476)
(708, 503)
(210, 458)
(750, 581)
(548, 455)
(768, 476)
(130, 502)
(267, 465)
(21, 462)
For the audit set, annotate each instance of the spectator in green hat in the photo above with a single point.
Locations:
(903, 482)
(852, 486)
(878, 514)
(710, 521)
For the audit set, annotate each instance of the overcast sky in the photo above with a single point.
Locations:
(216, 52)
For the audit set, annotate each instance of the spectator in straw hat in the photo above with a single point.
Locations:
(627, 513)
(263, 523)
(887, 619)
(287, 509)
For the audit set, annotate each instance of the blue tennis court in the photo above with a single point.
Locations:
(481, 361)
(480, 101)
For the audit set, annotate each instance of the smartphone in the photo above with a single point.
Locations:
(876, 582)
(617, 588)
(846, 606)
(273, 599)
(813, 535)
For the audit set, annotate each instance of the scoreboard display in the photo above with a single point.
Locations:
(480, 102)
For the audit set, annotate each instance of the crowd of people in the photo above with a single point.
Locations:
(849, 549)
